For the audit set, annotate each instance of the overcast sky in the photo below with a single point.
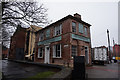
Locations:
(101, 15)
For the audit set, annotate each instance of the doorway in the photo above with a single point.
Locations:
(86, 55)
(47, 55)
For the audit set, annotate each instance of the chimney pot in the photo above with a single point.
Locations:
(77, 15)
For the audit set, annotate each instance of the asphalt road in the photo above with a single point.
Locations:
(104, 71)
(16, 71)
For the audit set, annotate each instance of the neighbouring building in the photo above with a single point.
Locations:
(17, 44)
(22, 43)
(60, 41)
(5, 51)
(30, 42)
(116, 51)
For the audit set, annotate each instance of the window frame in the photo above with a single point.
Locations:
(47, 35)
(85, 31)
(54, 51)
(74, 27)
(41, 35)
(75, 54)
(80, 28)
(39, 49)
(58, 29)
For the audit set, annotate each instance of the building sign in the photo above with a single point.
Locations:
(50, 40)
(66, 45)
(74, 36)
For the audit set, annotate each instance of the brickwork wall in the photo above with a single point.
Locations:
(66, 43)
(17, 41)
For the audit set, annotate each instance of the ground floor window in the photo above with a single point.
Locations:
(57, 51)
(40, 52)
(74, 51)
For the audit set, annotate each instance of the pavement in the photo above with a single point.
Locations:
(16, 71)
(106, 71)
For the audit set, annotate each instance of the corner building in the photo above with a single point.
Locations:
(63, 39)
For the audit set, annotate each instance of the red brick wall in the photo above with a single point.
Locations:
(18, 40)
(66, 43)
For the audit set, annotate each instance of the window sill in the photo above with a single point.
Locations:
(40, 57)
(57, 57)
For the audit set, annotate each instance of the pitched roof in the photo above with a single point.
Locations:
(34, 28)
(65, 18)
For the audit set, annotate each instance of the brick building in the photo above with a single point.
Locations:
(63, 39)
(22, 43)
(116, 51)
(17, 44)
(5, 51)
(30, 42)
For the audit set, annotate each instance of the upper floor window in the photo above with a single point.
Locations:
(57, 51)
(48, 33)
(80, 28)
(40, 52)
(73, 27)
(74, 51)
(41, 37)
(58, 30)
(85, 31)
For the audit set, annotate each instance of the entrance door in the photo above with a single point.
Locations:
(86, 55)
(47, 54)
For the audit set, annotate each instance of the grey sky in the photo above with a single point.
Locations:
(101, 15)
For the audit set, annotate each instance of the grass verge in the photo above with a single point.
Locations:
(40, 75)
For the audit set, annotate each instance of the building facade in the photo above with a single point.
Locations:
(17, 44)
(22, 43)
(30, 42)
(5, 51)
(60, 41)
(116, 51)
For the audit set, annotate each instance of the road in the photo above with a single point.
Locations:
(104, 71)
(15, 71)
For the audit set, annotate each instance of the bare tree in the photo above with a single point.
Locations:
(17, 13)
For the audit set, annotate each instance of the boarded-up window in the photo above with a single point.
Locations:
(48, 33)
(85, 31)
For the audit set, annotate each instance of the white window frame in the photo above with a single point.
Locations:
(54, 51)
(57, 28)
(40, 52)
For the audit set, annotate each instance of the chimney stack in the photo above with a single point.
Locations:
(77, 15)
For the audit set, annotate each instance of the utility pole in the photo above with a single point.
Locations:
(109, 53)
(114, 47)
